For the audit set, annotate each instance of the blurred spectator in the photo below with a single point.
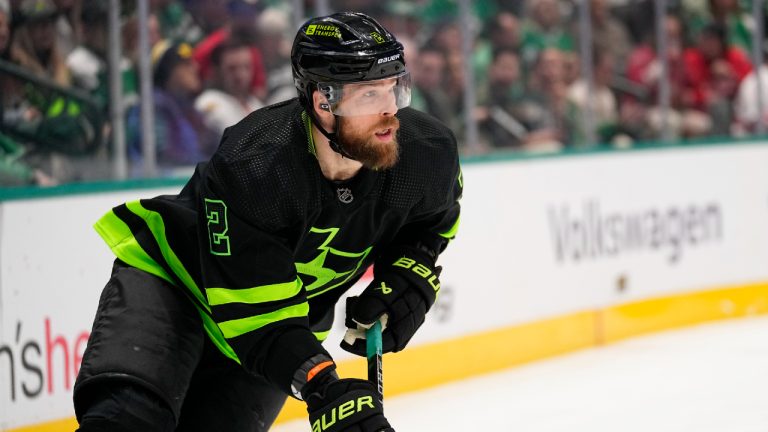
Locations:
(13, 171)
(18, 162)
(34, 44)
(516, 7)
(639, 17)
(608, 33)
(130, 35)
(273, 42)
(440, 10)
(640, 107)
(726, 13)
(644, 64)
(367, 6)
(13, 107)
(572, 66)
(5, 28)
(429, 83)
(447, 38)
(212, 15)
(747, 104)
(48, 119)
(505, 90)
(230, 99)
(68, 25)
(544, 27)
(180, 134)
(502, 32)
(544, 109)
(177, 22)
(600, 99)
(241, 25)
(88, 62)
(403, 18)
(713, 71)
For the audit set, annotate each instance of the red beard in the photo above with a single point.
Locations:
(364, 145)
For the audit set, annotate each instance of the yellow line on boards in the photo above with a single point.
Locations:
(69, 425)
(647, 316)
(425, 366)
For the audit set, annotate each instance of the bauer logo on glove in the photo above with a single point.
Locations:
(404, 287)
(420, 270)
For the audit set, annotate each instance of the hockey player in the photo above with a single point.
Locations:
(220, 296)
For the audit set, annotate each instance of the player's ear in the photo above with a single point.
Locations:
(323, 110)
(320, 103)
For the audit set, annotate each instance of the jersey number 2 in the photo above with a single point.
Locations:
(216, 212)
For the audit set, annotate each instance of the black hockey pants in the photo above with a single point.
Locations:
(150, 367)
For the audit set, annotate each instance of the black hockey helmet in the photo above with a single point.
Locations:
(345, 48)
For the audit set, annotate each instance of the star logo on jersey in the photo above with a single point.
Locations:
(345, 195)
(331, 267)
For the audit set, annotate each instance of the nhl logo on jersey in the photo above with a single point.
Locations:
(345, 195)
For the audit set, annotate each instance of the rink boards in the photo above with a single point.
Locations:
(553, 254)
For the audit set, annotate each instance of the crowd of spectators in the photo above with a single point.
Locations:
(214, 61)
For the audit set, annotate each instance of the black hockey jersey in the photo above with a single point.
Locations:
(264, 244)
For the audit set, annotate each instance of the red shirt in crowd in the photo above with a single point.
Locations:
(202, 56)
(699, 77)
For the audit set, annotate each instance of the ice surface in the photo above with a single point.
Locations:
(708, 378)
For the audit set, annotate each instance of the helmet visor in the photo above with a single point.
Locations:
(368, 97)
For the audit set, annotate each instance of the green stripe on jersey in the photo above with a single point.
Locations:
(451, 233)
(119, 237)
(217, 337)
(123, 244)
(241, 326)
(259, 294)
(321, 336)
(156, 225)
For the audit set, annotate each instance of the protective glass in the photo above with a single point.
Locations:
(368, 97)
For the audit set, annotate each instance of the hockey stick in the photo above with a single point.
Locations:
(373, 350)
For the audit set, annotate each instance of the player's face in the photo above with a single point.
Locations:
(369, 98)
(370, 139)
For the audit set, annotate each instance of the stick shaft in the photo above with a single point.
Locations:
(374, 354)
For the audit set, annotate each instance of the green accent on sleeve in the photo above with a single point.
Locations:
(451, 233)
(310, 137)
(259, 294)
(321, 336)
(241, 326)
(460, 179)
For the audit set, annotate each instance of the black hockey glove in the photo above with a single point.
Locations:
(404, 287)
(344, 405)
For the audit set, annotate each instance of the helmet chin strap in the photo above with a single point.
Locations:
(333, 139)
